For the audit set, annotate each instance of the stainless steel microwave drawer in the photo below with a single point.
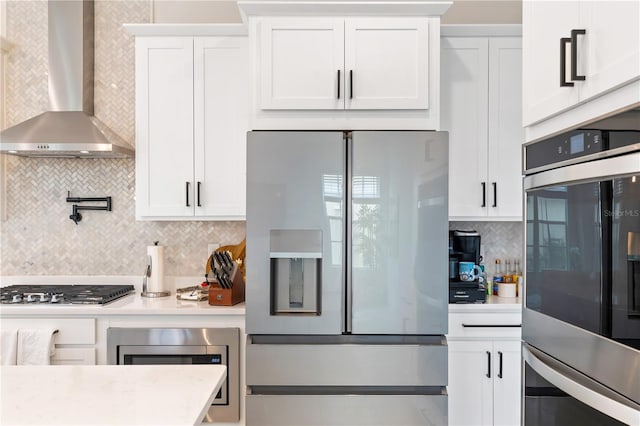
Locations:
(346, 365)
(346, 410)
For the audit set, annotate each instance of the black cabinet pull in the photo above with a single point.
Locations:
(187, 194)
(338, 84)
(499, 364)
(488, 364)
(198, 194)
(495, 194)
(484, 194)
(563, 62)
(350, 84)
(574, 54)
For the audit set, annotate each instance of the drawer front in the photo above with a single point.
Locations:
(81, 331)
(485, 325)
(346, 410)
(346, 365)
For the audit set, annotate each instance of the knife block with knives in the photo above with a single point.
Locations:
(228, 287)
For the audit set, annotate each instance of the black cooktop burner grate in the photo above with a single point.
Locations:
(63, 294)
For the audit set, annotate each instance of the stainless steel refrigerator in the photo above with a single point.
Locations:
(347, 280)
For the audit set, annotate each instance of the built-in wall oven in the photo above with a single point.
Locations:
(581, 317)
(127, 346)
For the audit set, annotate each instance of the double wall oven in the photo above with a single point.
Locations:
(581, 317)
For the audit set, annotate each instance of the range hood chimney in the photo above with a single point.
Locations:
(70, 128)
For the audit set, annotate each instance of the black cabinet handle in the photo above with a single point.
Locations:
(574, 54)
(198, 194)
(338, 84)
(350, 84)
(484, 194)
(488, 364)
(495, 194)
(563, 62)
(499, 364)
(187, 194)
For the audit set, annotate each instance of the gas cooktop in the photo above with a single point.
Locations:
(63, 294)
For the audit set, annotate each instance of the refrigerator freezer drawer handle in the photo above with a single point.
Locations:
(297, 255)
(625, 413)
(492, 325)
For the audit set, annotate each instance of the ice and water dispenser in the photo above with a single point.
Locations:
(296, 271)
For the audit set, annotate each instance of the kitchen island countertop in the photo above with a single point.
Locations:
(108, 394)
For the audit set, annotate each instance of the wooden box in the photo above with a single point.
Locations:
(219, 296)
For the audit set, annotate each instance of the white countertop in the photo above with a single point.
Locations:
(132, 304)
(493, 304)
(108, 394)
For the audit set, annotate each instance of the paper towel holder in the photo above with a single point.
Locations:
(147, 274)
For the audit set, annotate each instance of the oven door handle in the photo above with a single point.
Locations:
(592, 171)
(581, 387)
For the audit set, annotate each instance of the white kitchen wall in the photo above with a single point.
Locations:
(38, 238)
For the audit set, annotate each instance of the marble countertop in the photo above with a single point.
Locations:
(108, 394)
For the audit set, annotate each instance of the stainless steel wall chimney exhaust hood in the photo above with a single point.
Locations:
(69, 129)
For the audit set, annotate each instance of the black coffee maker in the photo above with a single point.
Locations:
(464, 246)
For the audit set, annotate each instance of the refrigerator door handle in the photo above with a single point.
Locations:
(581, 388)
(348, 314)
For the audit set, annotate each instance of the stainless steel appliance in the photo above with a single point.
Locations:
(127, 346)
(346, 256)
(464, 246)
(63, 294)
(581, 318)
(70, 128)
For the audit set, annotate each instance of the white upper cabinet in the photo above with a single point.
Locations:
(302, 62)
(581, 61)
(352, 72)
(481, 110)
(386, 63)
(191, 122)
(338, 63)
(164, 126)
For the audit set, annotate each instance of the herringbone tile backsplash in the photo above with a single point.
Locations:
(498, 240)
(38, 238)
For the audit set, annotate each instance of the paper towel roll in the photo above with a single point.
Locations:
(155, 282)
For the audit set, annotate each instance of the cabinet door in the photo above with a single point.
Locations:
(506, 383)
(221, 81)
(464, 106)
(470, 387)
(544, 23)
(164, 126)
(387, 63)
(609, 52)
(506, 134)
(301, 63)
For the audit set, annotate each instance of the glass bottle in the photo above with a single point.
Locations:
(497, 276)
(507, 277)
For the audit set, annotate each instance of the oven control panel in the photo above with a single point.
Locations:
(567, 146)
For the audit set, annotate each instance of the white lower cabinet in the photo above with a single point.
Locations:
(74, 340)
(484, 368)
(484, 383)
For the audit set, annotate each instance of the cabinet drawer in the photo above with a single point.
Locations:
(485, 325)
(346, 410)
(81, 331)
(346, 365)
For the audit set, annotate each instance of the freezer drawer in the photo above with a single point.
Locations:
(346, 365)
(346, 410)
